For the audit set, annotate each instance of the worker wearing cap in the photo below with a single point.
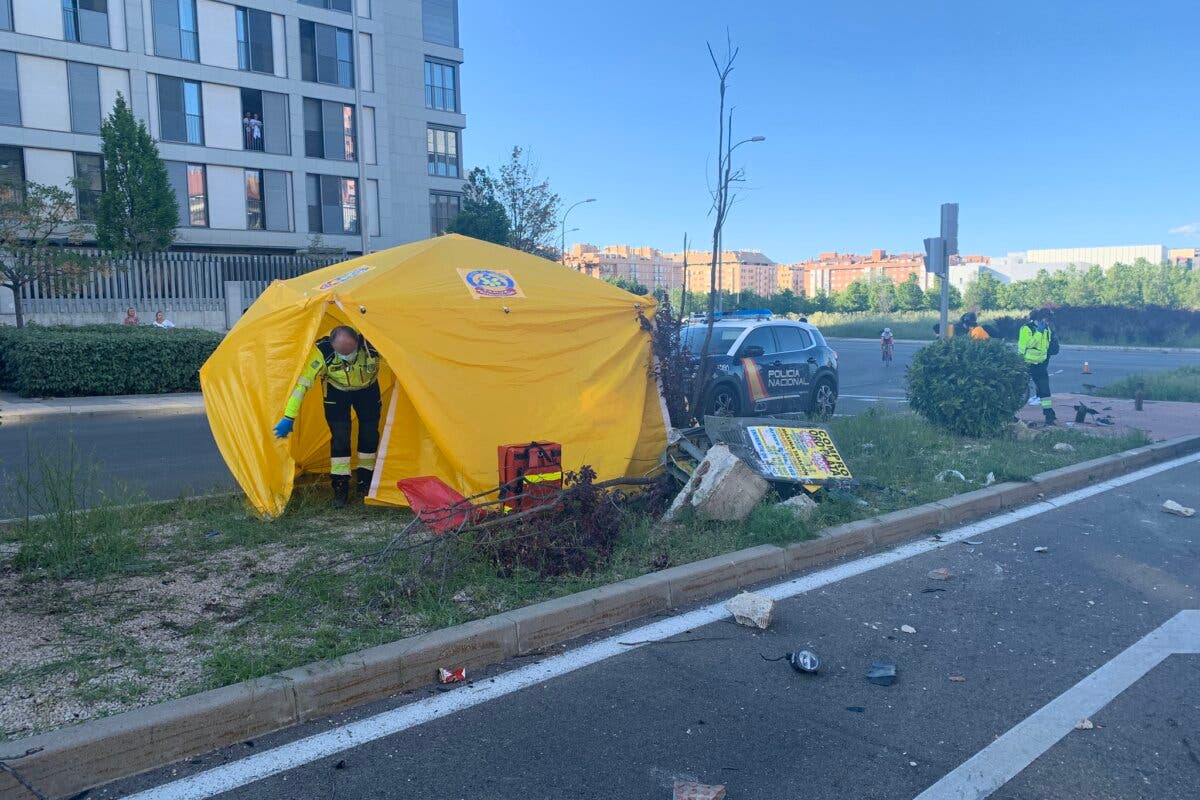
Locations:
(1034, 344)
(970, 324)
(348, 368)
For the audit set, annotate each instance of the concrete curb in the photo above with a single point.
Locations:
(67, 761)
(15, 413)
(1108, 347)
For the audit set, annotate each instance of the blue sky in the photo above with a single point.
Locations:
(1061, 124)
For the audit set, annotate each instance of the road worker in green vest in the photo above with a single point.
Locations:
(1036, 343)
(348, 368)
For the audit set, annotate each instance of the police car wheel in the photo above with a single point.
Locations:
(723, 401)
(824, 400)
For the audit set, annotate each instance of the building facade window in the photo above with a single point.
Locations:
(83, 92)
(256, 48)
(441, 86)
(329, 130)
(85, 21)
(443, 208)
(332, 204)
(176, 34)
(10, 94)
(336, 5)
(439, 21)
(6, 15)
(12, 172)
(255, 219)
(442, 148)
(89, 183)
(326, 54)
(180, 110)
(190, 182)
(265, 125)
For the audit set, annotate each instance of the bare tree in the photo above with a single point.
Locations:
(722, 200)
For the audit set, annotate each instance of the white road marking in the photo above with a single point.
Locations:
(353, 734)
(872, 397)
(1001, 761)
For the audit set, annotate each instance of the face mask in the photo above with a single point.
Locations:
(1041, 325)
(347, 358)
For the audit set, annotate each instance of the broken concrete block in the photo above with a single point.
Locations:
(752, 610)
(1063, 447)
(724, 488)
(1023, 432)
(688, 790)
(1171, 507)
(802, 506)
(946, 474)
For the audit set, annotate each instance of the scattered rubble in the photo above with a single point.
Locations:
(723, 488)
(940, 574)
(689, 790)
(950, 473)
(957, 679)
(991, 478)
(802, 506)
(752, 610)
(1171, 507)
(1041, 549)
(882, 673)
(907, 629)
(1024, 432)
(1085, 725)
(1063, 447)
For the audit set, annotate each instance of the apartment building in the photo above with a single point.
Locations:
(278, 119)
(739, 271)
(647, 265)
(833, 272)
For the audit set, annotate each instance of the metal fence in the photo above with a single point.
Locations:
(174, 281)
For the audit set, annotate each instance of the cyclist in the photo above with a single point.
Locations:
(887, 345)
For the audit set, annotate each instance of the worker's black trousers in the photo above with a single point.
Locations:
(1041, 378)
(366, 404)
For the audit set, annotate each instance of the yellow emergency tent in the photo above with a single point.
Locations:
(483, 346)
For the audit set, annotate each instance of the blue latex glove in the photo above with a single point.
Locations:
(284, 428)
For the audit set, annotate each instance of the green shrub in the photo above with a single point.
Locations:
(966, 386)
(41, 361)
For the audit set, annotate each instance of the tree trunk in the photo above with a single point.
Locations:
(19, 312)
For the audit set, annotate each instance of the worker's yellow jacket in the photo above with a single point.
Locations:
(326, 365)
(1033, 344)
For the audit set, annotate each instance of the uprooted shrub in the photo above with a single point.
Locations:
(574, 535)
(967, 386)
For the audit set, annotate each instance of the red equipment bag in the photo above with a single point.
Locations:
(531, 473)
(439, 506)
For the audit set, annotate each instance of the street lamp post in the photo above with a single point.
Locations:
(562, 245)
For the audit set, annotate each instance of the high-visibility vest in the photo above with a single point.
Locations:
(326, 365)
(1033, 344)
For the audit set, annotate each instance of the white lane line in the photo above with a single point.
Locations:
(1003, 759)
(322, 745)
(872, 397)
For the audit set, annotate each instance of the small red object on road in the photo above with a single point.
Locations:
(452, 675)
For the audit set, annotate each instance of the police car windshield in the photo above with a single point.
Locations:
(723, 337)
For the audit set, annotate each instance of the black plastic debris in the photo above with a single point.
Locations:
(801, 660)
(856, 709)
(882, 673)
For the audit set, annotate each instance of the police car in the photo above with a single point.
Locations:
(762, 365)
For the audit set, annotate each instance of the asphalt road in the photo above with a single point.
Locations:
(162, 457)
(1023, 630)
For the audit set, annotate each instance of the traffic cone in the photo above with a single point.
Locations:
(1087, 370)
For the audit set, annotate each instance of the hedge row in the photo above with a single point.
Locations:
(39, 361)
(1114, 325)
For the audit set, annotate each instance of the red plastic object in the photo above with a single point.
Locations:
(530, 473)
(439, 506)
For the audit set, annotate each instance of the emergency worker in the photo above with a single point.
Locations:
(1036, 343)
(348, 368)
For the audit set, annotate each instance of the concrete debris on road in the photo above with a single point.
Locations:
(950, 473)
(957, 679)
(1171, 507)
(1063, 447)
(752, 610)
(907, 629)
(724, 488)
(688, 790)
(1085, 725)
(1041, 549)
(991, 478)
(940, 574)
(802, 506)
(882, 673)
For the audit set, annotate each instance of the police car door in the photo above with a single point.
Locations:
(791, 372)
(759, 355)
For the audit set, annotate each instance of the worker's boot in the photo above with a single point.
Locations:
(365, 477)
(341, 490)
(1050, 416)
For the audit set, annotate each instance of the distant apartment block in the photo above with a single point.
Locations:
(263, 110)
(833, 272)
(1186, 257)
(740, 270)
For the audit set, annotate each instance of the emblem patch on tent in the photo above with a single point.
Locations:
(490, 283)
(340, 279)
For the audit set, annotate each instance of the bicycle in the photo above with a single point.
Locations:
(889, 352)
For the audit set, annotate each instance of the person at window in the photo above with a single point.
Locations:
(348, 368)
(161, 321)
(256, 131)
(247, 132)
(131, 317)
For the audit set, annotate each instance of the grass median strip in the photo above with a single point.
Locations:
(1181, 384)
(135, 606)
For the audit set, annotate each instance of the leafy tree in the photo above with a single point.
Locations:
(1122, 287)
(909, 296)
(983, 292)
(882, 291)
(784, 302)
(855, 297)
(531, 207)
(137, 213)
(35, 222)
(630, 285)
(933, 297)
(1084, 287)
(482, 216)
